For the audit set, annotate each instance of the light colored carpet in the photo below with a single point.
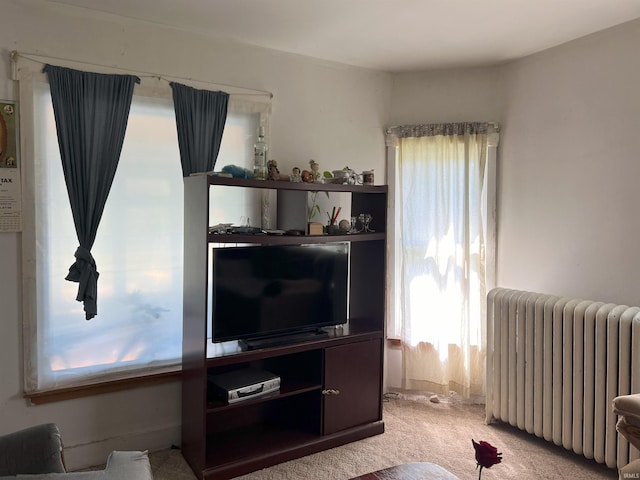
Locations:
(420, 431)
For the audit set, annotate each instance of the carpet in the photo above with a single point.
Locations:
(417, 430)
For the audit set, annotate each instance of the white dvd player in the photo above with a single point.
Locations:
(244, 384)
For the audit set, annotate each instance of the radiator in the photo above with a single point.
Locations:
(554, 365)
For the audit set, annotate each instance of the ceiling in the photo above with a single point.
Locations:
(390, 35)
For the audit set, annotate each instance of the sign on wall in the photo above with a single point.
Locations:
(10, 187)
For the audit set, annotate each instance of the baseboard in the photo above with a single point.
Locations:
(95, 453)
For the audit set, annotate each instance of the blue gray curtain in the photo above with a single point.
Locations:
(200, 119)
(91, 112)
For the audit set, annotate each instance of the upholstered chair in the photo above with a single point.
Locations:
(35, 453)
(628, 408)
(36, 449)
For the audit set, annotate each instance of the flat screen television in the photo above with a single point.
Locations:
(275, 291)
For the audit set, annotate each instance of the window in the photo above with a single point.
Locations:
(442, 261)
(138, 248)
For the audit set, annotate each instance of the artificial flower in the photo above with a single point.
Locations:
(486, 455)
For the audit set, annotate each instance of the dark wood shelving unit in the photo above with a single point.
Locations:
(221, 440)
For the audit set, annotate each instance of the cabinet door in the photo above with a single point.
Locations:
(352, 379)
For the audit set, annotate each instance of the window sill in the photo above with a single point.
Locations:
(394, 342)
(156, 377)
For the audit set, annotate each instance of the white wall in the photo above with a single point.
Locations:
(568, 162)
(569, 170)
(459, 95)
(329, 112)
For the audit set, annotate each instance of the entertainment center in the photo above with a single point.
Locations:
(325, 389)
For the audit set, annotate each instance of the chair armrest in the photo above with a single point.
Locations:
(628, 406)
(120, 466)
(125, 465)
(36, 449)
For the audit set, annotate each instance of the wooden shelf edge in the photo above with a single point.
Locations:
(284, 185)
(259, 354)
(261, 239)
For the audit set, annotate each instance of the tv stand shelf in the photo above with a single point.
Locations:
(232, 352)
(287, 389)
(293, 239)
(284, 185)
(331, 385)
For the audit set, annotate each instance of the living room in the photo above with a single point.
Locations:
(567, 221)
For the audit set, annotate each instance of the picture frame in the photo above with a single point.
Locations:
(10, 179)
(8, 134)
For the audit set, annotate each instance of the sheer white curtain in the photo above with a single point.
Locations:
(441, 228)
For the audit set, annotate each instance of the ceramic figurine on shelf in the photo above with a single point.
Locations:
(272, 170)
(315, 171)
(273, 173)
(296, 175)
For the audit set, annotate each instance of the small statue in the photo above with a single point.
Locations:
(315, 171)
(273, 173)
(307, 176)
(272, 170)
(295, 175)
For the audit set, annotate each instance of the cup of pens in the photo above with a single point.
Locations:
(332, 227)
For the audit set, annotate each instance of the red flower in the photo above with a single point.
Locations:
(486, 455)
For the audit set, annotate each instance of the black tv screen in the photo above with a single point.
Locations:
(264, 291)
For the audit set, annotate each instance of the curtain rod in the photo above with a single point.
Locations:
(167, 78)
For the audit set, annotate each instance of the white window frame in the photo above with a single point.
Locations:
(28, 72)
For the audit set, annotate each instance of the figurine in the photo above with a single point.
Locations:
(315, 171)
(272, 170)
(307, 176)
(295, 175)
(273, 173)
